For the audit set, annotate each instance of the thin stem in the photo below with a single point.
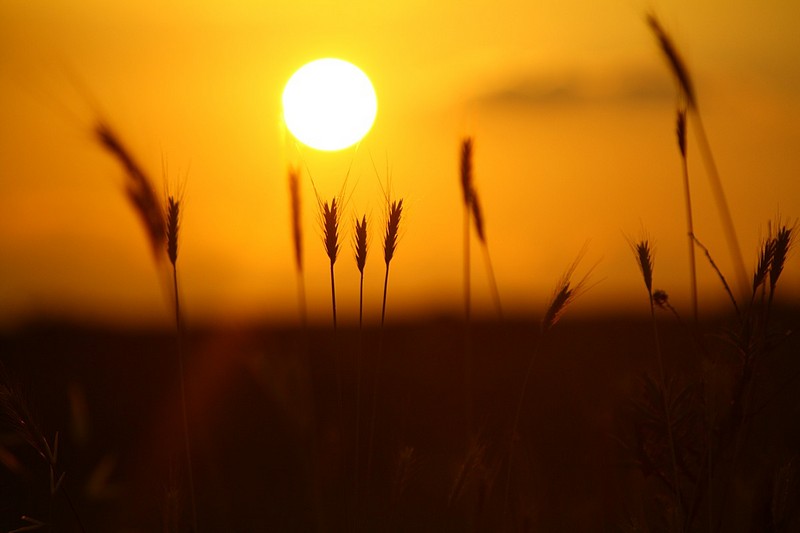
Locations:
(72, 508)
(301, 298)
(517, 414)
(725, 285)
(722, 204)
(376, 375)
(492, 280)
(333, 296)
(358, 382)
(690, 234)
(667, 412)
(467, 319)
(385, 287)
(186, 440)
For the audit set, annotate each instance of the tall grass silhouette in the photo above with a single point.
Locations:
(162, 228)
(391, 236)
(566, 291)
(687, 88)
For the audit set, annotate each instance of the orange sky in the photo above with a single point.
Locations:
(569, 101)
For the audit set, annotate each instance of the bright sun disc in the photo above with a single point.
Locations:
(329, 104)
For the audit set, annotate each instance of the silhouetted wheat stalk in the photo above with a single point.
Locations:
(565, 293)
(466, 191)
(681, 73)
(394, 214)
(173, 229)
(162, 227)
(360, 248)
(329, 217)
(644, 259)
(681, 134)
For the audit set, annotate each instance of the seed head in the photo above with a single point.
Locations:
(173, 226)
(360, 243)
(783, 243)
(466, 170)
(674, 60)
(565, 293)
(330, 228)
(395, 212)
(765, 256)
(644, 259)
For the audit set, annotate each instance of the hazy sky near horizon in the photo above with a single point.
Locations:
(570, 103)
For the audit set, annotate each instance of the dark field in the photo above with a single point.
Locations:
(274, 446)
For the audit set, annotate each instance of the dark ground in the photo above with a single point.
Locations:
(270, 453)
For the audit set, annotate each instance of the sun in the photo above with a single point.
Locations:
(329, 104)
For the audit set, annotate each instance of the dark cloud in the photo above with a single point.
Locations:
(623, 86)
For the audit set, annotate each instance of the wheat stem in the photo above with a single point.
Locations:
(681, 131)
(184, 411)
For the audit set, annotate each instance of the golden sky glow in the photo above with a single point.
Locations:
(571, 106)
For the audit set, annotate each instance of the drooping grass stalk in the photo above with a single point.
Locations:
(394, 214)
(162, 229)
(360, 248)
(297, 239)
(565, 293)
(480, 229)
(467, 191)
(138, 188)
(681, 133)
(644, 259)
(681, 73)
(173, 229)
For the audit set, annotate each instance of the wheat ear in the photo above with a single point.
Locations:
(644, 260)
(681, 73)
(564, 294)
(173, 217)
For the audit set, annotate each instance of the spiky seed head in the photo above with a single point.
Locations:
(466, 170)
(330, 229)
(681, 131)
(765, 255)
(565, 293)
(297, 227)
(784, 240)
(360, 243)
(644, 259)
(477, 214)
(395, 212)
(561, 297)
(677, 65)
(173, 227)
